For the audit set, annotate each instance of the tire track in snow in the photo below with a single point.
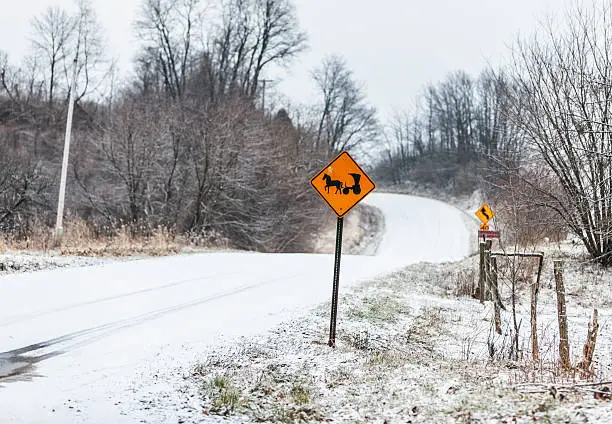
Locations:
(15, 362)
(25, 317)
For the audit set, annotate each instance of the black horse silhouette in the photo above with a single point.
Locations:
(332, 183)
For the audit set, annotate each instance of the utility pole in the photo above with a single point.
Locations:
(263, 93)
(62, 190)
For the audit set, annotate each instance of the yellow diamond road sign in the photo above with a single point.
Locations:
(342, 184)
(485, 214)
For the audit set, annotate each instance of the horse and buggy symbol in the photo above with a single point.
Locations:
(342, 188)
(342, 184)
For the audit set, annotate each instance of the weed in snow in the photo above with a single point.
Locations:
(408, 350)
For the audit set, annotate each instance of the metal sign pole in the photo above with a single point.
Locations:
(334, 306)
(341, 184)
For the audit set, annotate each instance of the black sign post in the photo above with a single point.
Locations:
(336, 284)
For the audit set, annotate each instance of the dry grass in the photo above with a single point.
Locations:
(79, 239)
(465, 282)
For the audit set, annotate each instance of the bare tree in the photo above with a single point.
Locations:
(277, 39)
(564, 89)
(22, 96)
(132, 153)
(345, 120)
(497, 135)
(88, 45)
(452, 107)
(252, 35)
(168, 30)
(404, 142)
(60, 38)
(53, 33)
(5, 72)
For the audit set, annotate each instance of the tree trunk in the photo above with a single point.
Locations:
(564, 352)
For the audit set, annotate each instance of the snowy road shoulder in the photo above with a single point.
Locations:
(409, 350)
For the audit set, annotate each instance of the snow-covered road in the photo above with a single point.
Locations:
(88, 337)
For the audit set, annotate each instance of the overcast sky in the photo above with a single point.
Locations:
(395, 47)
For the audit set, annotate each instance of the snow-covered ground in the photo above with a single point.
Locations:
(410, 350)
(89, 341)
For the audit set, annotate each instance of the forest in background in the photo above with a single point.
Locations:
(535, 136)
(192, 145)
(188, 145)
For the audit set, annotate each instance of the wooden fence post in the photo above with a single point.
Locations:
(487, 284)
(495, 294)
(564, 353)
(535, 289)
(481, 273)
(586, 365)
(535, 348)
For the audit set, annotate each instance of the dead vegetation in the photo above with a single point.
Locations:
(80, 240)
(299, 381)
(269, 390)
(409, 349)
(541, 353)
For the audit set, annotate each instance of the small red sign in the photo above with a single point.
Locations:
(490, 234)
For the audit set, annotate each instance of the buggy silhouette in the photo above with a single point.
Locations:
(356, 188)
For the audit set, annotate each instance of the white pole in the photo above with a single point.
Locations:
(62, 190)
